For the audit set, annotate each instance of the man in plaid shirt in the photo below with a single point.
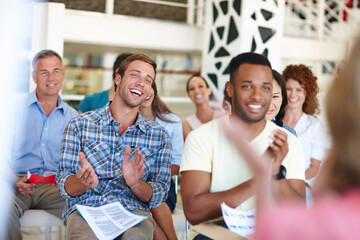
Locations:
(114, 154)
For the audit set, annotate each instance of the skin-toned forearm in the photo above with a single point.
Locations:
(313, 170)
(186, 128)
(174, 169)
(142, 190)
(205, 206)
(74, 187)
(286, 189)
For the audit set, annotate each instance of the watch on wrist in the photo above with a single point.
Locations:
(281, 174)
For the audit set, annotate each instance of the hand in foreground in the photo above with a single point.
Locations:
(134, 169)
(23, 187)
(86, 173)
(236, 132)
(278, 150)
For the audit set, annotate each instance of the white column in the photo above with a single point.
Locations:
(190, 12)
(109, 7)
(235, 26)
(109, 59)
(48, 29)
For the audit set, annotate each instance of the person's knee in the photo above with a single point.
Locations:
(134, 235)
(78, 229)
(142, 231)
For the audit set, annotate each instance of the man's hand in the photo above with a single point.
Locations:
(23, 187)
(278, 150)
(86, 173)
(133, 170)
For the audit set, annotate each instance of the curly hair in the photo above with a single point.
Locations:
(307, 80)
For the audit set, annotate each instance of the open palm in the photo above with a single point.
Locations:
(134, 169)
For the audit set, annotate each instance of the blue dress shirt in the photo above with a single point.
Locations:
(37, 137)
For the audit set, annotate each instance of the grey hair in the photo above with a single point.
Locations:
(45, 54)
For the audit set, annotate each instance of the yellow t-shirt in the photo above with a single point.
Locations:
(207, 149)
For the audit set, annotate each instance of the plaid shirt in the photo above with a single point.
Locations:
(97, 134)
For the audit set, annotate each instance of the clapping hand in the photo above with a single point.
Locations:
(262, 166)
(86, 173)
(237, 133)
(134, 169)
(278, 149)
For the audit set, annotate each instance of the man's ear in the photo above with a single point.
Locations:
(33, 74)
(229, 88)
(63, 72)
(117, 79)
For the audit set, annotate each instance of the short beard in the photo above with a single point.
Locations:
(242, 115)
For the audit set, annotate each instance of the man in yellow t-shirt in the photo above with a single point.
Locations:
(212, 170)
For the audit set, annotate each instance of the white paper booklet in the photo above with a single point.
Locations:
(238, 221)
(109, 221)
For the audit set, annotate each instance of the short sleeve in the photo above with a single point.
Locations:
(320, 142)
(197, 154)
(177, 140)
(295, 159)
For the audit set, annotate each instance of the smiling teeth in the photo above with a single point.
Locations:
(147, 98)
(136, 91)
(198, 96)
(292, 100)
(255, 106)
(51, 85)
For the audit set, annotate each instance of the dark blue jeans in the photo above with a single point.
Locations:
(171, 199)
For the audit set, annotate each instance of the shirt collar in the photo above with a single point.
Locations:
(33, 99)
(141, 122)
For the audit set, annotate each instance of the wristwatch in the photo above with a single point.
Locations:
(281, 174)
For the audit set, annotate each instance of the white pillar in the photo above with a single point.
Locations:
(190, 15)
(109, 7)
(109, 59)
(48, 29)
(236, 26)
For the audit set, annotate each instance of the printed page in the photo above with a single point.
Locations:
(109, 221)
(238, 221)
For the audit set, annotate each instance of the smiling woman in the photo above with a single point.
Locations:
(302, 105)
(276, 110)
(199, 92)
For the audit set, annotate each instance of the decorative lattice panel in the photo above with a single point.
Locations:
(235, 26)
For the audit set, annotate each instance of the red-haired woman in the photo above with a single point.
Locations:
(302, 89)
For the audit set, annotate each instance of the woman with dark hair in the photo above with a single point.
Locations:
(302, 89)
(199, 92)
(154, 109)
(276, 110)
